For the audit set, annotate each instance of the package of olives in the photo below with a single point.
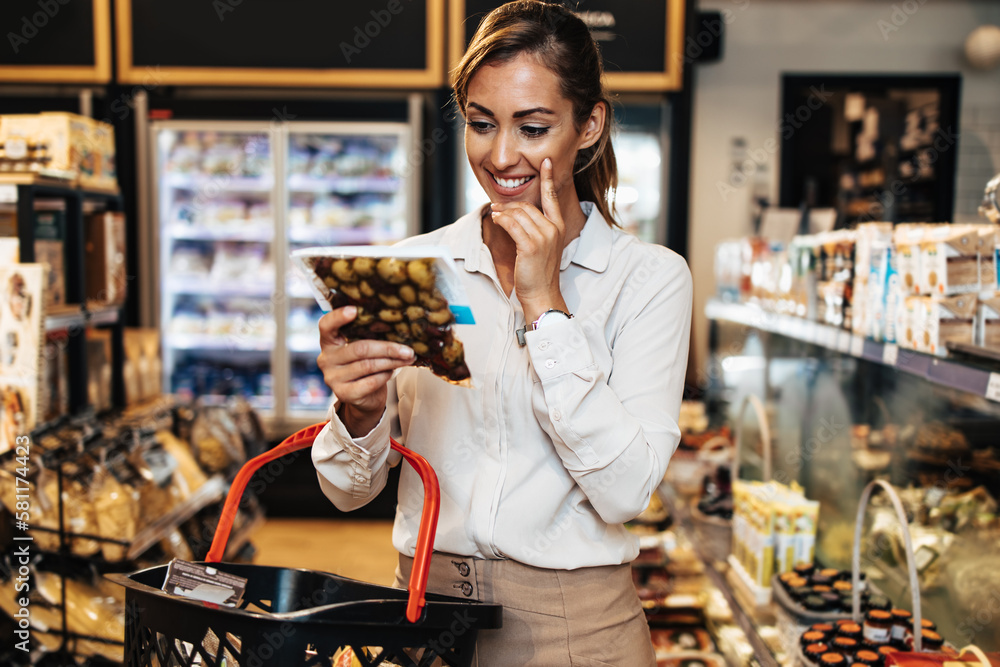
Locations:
(411, 295)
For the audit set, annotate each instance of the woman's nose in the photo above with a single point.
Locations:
(504, 153)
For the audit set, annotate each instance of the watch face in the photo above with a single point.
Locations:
(550, 316)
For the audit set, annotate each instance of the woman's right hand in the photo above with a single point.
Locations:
(358, 372)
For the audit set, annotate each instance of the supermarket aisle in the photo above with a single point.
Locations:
(356, 548)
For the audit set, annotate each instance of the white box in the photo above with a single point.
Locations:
(949, 258)
(949, 320)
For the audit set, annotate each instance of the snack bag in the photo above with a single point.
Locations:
(411, 296)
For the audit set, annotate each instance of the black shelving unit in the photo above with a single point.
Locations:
(75, 322)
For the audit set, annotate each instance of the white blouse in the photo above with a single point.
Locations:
(559, 442)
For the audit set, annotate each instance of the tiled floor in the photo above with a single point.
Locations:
(360, 549)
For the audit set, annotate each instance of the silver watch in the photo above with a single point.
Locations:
(549, 316)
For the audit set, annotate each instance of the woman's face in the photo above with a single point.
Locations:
(516, 117)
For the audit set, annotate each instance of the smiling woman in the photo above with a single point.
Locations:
(577, 358)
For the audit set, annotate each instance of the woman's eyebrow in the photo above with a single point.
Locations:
(483, 109)
(528, 112)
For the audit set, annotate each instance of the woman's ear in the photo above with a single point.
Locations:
(594, 126)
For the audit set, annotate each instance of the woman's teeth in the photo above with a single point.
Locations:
(511, 182)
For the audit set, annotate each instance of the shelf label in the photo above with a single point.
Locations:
(8, 193)
(890, 353)
(857, 346)
(844, 342)
(993, 387)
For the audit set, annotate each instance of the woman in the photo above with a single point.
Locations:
(577, 359)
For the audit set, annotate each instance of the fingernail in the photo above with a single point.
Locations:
(405, 352)
(547, 163)
(350, 311)
(494, 213)
(493, 205)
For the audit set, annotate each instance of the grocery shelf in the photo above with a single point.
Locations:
(343, 184)
(210, 287)
(337, 235)
(252, 233)
(941, 371)
(211, 491)
(74, 317)
(744, 614)
(230, 341)
(209, 183)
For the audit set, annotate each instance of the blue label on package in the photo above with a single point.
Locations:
(463, 314)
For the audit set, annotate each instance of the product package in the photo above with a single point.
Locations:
(411, 296)
(99, 369)
(50, 235)
(872, 240)
(986, 248)
(21, 340)
(948, 320)
(10, 250)
(988, 322)
(105, 279)
(60, 145)
(907, 238)
(950, 260)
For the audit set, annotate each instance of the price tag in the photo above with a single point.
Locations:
(8, 193)
(857, 346)
(890, 353)
(993, 387)
(844, 342)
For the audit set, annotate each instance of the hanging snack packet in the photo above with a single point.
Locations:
(411, 296)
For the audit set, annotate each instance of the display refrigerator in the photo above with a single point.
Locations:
(230, 200)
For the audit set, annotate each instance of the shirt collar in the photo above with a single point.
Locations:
(591, 249)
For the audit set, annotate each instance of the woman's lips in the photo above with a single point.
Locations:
(511, 187)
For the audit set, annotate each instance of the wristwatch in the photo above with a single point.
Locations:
(549, 316)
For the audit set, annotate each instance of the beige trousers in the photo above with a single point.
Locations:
(551, 618)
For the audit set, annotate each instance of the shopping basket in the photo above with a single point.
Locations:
(302, 617)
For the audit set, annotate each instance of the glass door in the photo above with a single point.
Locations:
(214, 203)
(344, 184)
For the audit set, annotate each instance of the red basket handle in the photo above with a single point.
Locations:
(304, 438)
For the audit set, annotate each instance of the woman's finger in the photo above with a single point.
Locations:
(550, 199)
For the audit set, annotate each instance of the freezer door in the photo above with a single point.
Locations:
(344, 184)
(214, 213)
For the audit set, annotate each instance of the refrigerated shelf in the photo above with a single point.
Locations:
(210, 183)
(234, 342)
(213, 288)
(343, 184)
(221, 232)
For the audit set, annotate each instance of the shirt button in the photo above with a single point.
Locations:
(360, 479)
(466, 589)
(544, 345)
(463, 569)
(556, 415)
(550, 363)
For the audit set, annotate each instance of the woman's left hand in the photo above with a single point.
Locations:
(539, 239)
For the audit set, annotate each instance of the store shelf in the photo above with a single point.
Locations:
(745, 615)
(230, 341)
(209, 183)
(208, 287)
(937, 370)
(338, 235)
(343, 184)
(254, 233)
(74, 317)
(211, 491)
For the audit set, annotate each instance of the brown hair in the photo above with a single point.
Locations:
(563, 43)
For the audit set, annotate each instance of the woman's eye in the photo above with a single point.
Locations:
(479, 126)
(534, 130)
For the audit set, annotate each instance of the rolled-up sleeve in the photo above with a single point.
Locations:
(351, 471)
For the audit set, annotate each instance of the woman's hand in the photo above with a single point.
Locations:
(358, 372)
(539, 237)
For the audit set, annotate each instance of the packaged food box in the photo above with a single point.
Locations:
(906, 239)
(408, 295)
(950, 260)
(949, 320)
(50, 234)
(61, 145)
(986, 247)
(988, 322)
(105, 280)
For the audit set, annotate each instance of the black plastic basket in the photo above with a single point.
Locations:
(302, 617)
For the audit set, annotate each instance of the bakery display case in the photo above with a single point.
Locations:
(844, 410)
